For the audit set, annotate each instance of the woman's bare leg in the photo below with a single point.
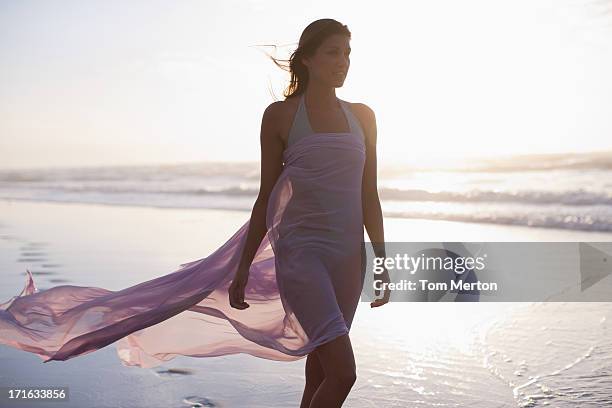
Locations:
(338, 362)
(314, 378)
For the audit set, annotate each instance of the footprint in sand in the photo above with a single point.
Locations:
(171, 372)
(40, 273)
(57, 280)
(195, 401)
(26, 252)
(33, 245)
(27, 259)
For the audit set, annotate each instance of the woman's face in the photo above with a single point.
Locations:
(331, 61)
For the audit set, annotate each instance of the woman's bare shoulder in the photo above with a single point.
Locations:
(279, 110)
(365, 115)
(281, 114)
(362, 110)
(288, 106)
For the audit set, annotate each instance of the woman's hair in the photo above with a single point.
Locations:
(312, 37)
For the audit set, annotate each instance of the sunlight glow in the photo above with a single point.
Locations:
(188, 82)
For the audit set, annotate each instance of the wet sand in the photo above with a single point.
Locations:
(408, 354)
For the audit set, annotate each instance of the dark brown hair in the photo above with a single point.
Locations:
(312, 37)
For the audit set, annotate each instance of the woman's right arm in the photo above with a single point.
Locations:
(271, 167)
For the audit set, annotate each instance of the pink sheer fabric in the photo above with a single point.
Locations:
(304, 285)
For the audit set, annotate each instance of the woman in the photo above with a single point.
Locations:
(301, 250)
(329, 151)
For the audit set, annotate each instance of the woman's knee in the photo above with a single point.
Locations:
(314, 371)
(338, 361)
(344, 379)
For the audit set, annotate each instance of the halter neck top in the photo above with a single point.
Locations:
(301, 124)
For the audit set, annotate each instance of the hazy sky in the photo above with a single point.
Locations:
(133, 82)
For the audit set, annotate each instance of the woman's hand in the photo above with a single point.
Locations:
(384, 278)
(237, 288)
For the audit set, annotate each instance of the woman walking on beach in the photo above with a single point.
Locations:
(284, 286)
(318, 157)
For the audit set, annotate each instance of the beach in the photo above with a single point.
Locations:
(408, 354)
(136, 138)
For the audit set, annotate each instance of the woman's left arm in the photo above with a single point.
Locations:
(372, 212)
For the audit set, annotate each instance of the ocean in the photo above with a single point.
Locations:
(571, 191)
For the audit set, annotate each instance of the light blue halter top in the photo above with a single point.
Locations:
(301, 124)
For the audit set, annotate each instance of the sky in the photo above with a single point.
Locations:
(145, 82)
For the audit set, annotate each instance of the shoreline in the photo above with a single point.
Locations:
(396, 228)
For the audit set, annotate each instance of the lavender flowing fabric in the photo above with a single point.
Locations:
(304, 284)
